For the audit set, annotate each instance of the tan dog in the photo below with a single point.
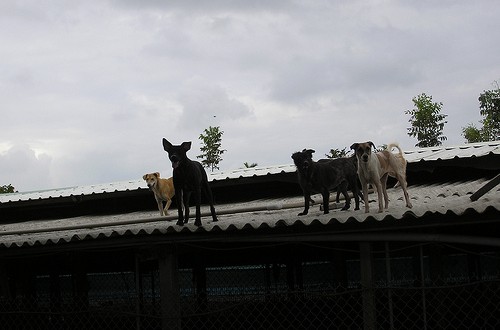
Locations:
(374, 168)
(162, 188)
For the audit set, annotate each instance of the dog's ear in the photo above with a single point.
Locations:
(156, 174)
(354, 146)
(371, 143)
(166, 145)
(310, 152)
(144, 176)
(186, 146)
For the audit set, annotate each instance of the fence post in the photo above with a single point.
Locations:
(169, 288)
(389, 283)
(139, 302)
(367, 283)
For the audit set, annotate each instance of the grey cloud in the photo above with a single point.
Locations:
(208, 6)
(204, 104)
(22, 168)
(97, 84)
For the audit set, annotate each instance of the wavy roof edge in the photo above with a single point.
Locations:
(434, 204)
(422, 154)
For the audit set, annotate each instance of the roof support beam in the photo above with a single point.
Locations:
(169, 288)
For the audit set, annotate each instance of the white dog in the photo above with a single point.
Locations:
(375, 167)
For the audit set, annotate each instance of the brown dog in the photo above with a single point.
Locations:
(375, 167)
(162, 188)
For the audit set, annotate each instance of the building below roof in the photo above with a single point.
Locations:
(100, 256)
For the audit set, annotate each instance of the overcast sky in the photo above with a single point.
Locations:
(88, 89)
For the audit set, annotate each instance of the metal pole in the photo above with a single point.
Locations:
(366, 260)
(169, 289)
(389, 279)
(138, 290)
(422, 280)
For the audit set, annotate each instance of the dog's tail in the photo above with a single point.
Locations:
(393, 145)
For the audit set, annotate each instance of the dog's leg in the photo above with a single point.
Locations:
(337, 199)
(186, 196)
(307, 198)
(197, 201)
(404, 185)
(355, 192)
(378, 187)
(208, 193)
(383, 182)
(165, 210)
(160, 206)
(326, 201)
(343, 188)
(364, 187)
(179, 198)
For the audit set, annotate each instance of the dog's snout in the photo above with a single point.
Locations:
(174, 158)
(365, 157)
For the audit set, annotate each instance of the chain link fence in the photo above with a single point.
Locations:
(303, 295)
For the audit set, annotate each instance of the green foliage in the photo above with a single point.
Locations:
(381, 147)
(248, 165)
(473, 134)
(489, 108)
(337, 153)
(211, 147)
(426, 121)
(5, 189)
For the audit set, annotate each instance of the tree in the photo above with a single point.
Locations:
(426, 121)
(473, 134)
(337, 153)
(489, 105)
(5, 189)
(489, 108)
(211, 147)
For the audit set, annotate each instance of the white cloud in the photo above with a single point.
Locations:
(90, 88)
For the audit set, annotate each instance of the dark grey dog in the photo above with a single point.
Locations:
(189, 177)
(324, 175)
(354, 160)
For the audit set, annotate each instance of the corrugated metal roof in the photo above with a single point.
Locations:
(446, 153)
(417, 155)
(437, 199)
(74, 191)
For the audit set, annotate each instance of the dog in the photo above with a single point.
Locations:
(322, 176)
(401, 159)
(374, 168)
(189, 177)
(354, 160)
(163, 190)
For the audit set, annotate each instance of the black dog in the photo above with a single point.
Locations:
(354, 160)
(324, 175)
(189, 177)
